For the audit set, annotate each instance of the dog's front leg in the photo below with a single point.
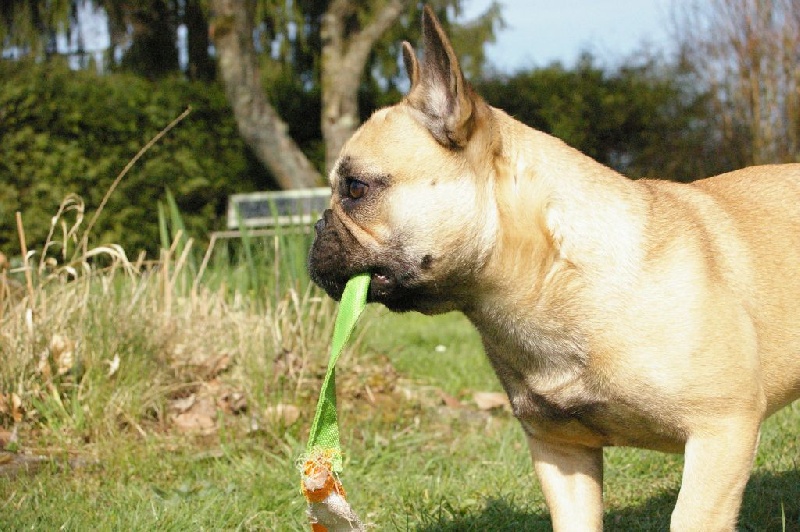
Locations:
(716, 467)
(572, 482)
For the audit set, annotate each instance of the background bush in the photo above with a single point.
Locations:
(64, 131)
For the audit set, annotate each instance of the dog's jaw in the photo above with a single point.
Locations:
(395, 287)
(336, 256)
(401, 279)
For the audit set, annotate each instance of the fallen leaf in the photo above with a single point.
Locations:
(212, 388)
(9, 441)
(216, 365)
(449, 400)
(62, 349)
(233, 402)
(490, 400)
(16, 408)
(11, 405)
(282, 414)
(6, 437)
(201, 418)
(183, 404)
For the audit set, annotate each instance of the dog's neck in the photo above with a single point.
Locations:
(562, 207)
(564, 220)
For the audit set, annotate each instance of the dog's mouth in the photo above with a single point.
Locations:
(401, 290)
(381, 284)
(384, 286)
(395, 279)
(398, 291)
(395, 290)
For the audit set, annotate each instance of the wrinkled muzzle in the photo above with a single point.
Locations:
(335, 255)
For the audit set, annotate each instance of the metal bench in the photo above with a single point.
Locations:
(269, 213)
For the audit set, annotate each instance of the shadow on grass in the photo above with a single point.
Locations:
(766, 493)
(497, 515)
(770, 498)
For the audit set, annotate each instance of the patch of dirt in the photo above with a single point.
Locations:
(13, 465)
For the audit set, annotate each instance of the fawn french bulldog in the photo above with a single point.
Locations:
(615, 312)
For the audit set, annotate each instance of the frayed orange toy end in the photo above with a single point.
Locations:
(328, 509)
(318, 479)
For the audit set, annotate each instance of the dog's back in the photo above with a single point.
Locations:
(750, 222)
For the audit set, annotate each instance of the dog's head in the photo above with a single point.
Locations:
(409, 192)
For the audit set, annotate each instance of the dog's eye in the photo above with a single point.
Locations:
(356, 189)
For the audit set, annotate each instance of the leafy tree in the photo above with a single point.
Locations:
(259, 124)
(331, 44)
(32, 24)
(152, 51)
(350, 31)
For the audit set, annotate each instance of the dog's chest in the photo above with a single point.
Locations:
(573, 409)
(557, 397)
(558, 407)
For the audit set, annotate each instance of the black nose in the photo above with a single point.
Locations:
(322, 222)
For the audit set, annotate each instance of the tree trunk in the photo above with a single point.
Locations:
(344, 57)
(152, 53)
(201, 65)
(258, 123)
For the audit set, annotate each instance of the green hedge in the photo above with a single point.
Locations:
(65, 132)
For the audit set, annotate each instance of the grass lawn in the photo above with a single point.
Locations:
(413, 462)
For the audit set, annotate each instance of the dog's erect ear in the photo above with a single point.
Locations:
(439, 91)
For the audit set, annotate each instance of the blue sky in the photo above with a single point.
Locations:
(542, 31)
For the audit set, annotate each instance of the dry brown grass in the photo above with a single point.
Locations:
(92, 342)
(98, 344)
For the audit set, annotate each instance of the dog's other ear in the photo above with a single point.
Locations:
(411, 63)
(439, 91)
